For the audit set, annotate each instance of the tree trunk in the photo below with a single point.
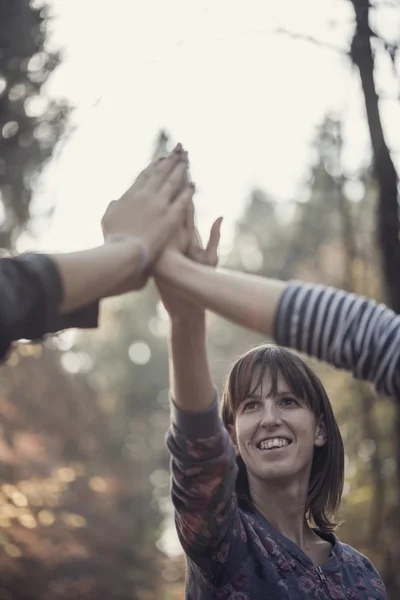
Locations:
(385, 172)
(388, 231)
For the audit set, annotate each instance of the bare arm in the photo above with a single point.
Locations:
(248, 300)
(190, 376)
(203, 460)
(191, 382)
(41, 294)
(343, 329)
(98, 273)
(143, 220)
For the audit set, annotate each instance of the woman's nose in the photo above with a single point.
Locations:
(270, 415)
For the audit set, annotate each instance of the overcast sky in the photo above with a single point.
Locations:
(243, 99)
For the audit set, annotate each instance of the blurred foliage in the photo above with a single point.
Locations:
(85, 490)
(30, 122)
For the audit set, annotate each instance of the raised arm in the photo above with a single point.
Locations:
(136, 228)
(41, 293)
(203, 460)
(345, 330)
(190, 377)
(248, 300)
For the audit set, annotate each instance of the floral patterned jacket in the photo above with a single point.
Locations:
(233, 553)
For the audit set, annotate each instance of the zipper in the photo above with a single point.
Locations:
(322, 578)
(321, 575)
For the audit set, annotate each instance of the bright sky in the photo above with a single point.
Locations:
(242, 99)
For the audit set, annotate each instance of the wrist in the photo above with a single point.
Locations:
(128, 274)
(141, 252)
(193, 319)
(167, 264)
(188, 331)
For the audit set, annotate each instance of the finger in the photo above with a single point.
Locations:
(177, 211)
(189, 220)
(144, 176)
(211, 251)
(196, 250)
(174, 183)
(165, 169)
(197, 243)
(187, 177)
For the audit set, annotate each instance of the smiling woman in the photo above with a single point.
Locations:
(273, 399)
(255, 492)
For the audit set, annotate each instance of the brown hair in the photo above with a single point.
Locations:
(327, 472)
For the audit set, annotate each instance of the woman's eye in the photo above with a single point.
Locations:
(249, 406)
(287, 401)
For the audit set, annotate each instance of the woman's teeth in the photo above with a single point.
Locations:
(273, 443)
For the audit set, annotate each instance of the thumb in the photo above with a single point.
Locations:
(213, 242)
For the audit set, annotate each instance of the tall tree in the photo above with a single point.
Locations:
(385, 171)
(388, 223)
(30, 123)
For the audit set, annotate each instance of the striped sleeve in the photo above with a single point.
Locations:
(346, 330)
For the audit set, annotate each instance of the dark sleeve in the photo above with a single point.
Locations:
(346, 330)
(204, 474)
(30, 296)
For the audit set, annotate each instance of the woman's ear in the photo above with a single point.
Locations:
(232, 434)
(320, 433)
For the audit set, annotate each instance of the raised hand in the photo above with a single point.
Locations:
(187, 241)
(153, 207)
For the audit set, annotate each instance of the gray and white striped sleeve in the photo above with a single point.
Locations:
(346, 330)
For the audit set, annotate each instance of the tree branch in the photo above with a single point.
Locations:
(310, 39)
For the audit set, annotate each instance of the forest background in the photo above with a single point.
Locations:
(292, 117)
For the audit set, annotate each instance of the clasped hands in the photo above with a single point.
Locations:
(157, 214)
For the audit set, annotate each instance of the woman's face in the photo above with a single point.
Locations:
(276, 435)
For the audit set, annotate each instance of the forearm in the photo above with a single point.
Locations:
(348, 331)
(98, 273)
(30, 296)
(191, 382)
(248, 300)
(204, 468)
